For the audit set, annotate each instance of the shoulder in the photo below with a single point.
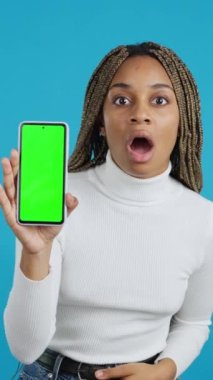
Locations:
(195, 208)
(197, 211)
(76, 176)
(197, 200)
(200, 210)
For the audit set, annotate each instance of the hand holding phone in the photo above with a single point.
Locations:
(33, 238)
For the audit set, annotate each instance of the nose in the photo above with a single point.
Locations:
(140, 114)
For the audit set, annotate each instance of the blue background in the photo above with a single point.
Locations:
(48, 50)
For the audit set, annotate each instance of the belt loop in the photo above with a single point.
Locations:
(57, 365)
(79, 376)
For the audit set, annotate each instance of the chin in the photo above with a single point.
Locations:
(138, 171)
(144, 170)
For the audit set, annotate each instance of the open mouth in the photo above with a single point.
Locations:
(141, 145)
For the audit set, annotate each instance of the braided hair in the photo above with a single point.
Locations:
(91, 148)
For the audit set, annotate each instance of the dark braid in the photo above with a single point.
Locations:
(91, 148)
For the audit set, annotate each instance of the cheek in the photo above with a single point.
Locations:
(113, 121)
(106, 114)
(176, 123)
(172, 138)
(172, 134)
(169, 132)
(113, 124)
(112, 117)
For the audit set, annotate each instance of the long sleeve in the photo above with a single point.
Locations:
(30, 314)
(189, 328)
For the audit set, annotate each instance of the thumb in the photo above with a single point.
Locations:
(71, 203)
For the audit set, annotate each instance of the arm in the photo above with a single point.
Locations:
(189, 328)
(30, 314)
(29, 317)
(188, 331)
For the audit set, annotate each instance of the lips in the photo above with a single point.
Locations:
(140, 146)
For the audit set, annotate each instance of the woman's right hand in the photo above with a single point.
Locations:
(33, 238)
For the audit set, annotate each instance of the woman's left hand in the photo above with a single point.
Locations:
(163, 370)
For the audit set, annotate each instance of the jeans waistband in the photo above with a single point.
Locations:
(84, 370)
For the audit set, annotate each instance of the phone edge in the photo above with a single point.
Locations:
(65, 171)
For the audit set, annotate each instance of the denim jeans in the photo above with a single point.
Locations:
(37, 371)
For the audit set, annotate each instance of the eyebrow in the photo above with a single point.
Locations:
(156, 85)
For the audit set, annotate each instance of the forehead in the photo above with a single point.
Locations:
(143, 68)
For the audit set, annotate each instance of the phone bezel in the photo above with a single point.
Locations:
(66, 146)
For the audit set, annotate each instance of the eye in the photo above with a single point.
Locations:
(121, 101)
(160, 100)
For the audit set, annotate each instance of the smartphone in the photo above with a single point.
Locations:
(42, 176)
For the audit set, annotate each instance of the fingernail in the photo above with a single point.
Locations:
(100, 374)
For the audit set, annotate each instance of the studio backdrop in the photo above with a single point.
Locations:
(48, 50)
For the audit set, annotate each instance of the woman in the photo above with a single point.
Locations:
(123, 284)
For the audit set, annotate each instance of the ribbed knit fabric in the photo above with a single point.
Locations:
(130, 275)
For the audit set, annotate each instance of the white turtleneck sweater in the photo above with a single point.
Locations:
(131, 275)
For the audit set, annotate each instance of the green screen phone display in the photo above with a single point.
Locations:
(42, 173)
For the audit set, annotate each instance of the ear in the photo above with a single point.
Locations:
(100, 124)
(102, 131)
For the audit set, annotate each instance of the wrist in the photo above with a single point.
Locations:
(35, 266)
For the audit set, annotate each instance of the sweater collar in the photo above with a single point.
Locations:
(128, 189)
